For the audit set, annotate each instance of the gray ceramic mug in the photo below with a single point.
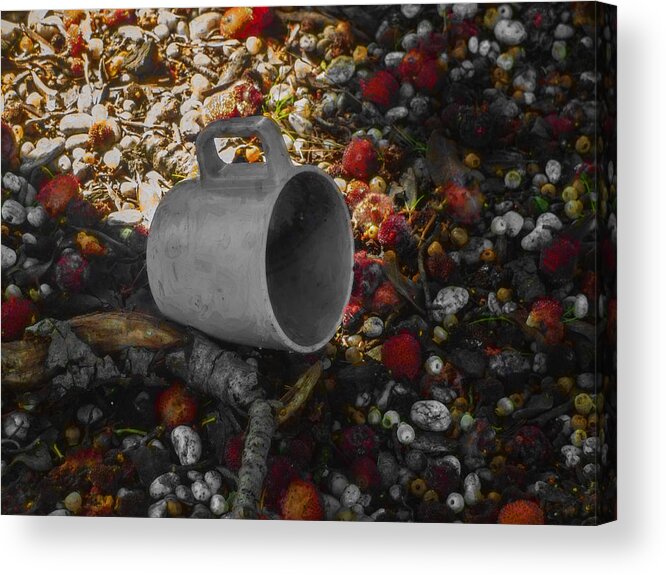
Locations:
(258, 254)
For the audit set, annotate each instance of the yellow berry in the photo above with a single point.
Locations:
(583, 403)
(353, 355)
(377, 185)
(435, 248)
(569, 193)
(418, 487)
(459, 236)
(504, 295)
(583, 145)
(578, 421)
(548, 190)
(565, 384)
(573, 209)
(472, 161)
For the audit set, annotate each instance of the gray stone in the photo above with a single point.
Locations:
(12, 182)
(187, 444)
(340, 70)
(203, 24)
(393, 59)
(218, 505)
(158, 510)
(130, 33)
(163, 485)
(554, 171)
(397, 113)
(514, 223)
(563, 32)
(201, 491)
(89, 414)
(124, 218)
(184, 494)
(430, 415)
(536, 239)
(8, 257)
(526, 81)
(75, 123)
(508, 364)
(301, 125)
(471, 253)
(13, 212)
(510, 32)
(42, 155)
(550, 221)
(449, 300)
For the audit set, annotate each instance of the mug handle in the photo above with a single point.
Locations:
(212, 167)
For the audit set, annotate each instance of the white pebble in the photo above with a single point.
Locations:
(218, 505)
(37, 216)
(434, 365)
(455, 502)
(553, 171)
(214, 480)
(95, 48)
(161, 31)
(13, 212)
(337, 483)
(201, 491)
(405, 433)
(112, 158)
(254, 45)
(187, 444)
(498, 226)
(514, 223)
(580, 306)
(350, 495)
(449, 300)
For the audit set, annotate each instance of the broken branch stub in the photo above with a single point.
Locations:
(210, 370)
(260, 430)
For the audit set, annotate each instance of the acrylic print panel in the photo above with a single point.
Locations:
(326, 263)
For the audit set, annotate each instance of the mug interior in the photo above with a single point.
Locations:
(309, 259)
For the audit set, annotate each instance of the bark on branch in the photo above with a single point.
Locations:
(260, 430)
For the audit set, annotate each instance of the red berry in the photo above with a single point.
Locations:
(559, 255)
(385, 298)
(302, 502)
(521, 512)
(429, 77)
(464, 204)
(72, 272)
(368, 274)
(17, 314)
(56, 194)
(394, 232)
(372, 209)
(352, 313)
(242, 22)
(440, 266)
(365, 473)
(411, 64)
(401, 354)
(9, 147)
(355, 192)
(113, 18)
(357, 441)
(176, 406)
(381, 89)
(280, 474)
(360, 159)
(546, 315)
(233, 451)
